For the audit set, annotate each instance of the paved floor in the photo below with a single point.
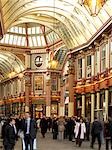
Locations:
(48, 143)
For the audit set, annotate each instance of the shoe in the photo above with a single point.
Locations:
(91, 146)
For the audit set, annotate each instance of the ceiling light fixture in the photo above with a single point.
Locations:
(52, 64)
(94, 6)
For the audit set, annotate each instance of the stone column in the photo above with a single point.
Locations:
(27, 91)
(71, 90)
(106, 105)
(98, 103)
(83, 105)
(48, 96)
(62, 104)
(92, 106)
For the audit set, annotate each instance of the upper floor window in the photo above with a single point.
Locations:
(110, 47)
(96, 65)
(88, 66)
(79, 75)
(103, 57)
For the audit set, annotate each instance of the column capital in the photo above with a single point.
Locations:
(28, 52)
(97, 45)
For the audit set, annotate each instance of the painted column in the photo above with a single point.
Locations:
(48, 96)
(83, 105)
(71, 90)
(92, 106)
(62, 104)
(98, 103)
(27, 91)
(106, 105)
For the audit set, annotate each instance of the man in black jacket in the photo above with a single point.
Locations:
(29, 128)
(10, 135)
(96, 132)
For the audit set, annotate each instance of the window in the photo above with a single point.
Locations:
(88, 67)
(103, 58)
(96, 66)
(79, 68)
(110, 47)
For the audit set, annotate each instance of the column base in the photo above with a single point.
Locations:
(48, 111)
(61, 110)
(26, 108)
(70, 109)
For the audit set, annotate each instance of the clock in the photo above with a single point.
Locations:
(38, 61)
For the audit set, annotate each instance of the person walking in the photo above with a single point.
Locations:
(9, 138)
(71, 126)
(43, 126)
(61, 128)
(29, 129)
(55, 128)
(107, 134)
(80, 130)
(110, 129)
(96, 133)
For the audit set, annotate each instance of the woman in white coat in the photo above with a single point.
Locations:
(80, 130)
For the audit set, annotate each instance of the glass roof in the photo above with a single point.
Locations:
(32, 35)
(9, 63)
(68, 18)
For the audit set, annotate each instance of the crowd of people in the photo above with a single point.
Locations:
(75, 129)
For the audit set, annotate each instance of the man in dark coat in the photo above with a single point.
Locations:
(96, 132)
(29, 128)
(10, 135)
(71, 125)
(43, 126)
(55, 128)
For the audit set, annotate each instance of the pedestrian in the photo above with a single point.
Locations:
(107, 134)
(87, 123)
(9, 138)
(80, 130)
(43, 126)
(55, 128)
(71, 126)
(96, 132)
(29, 129)
(61, 128)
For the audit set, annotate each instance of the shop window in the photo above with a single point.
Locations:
(110, 47)
(102, 99)
(103, 58)
(95, 101)
(88, 66)
(79, 68)
(54, 83)
(110, 97)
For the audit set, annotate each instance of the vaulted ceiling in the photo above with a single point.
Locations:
(68, 18)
